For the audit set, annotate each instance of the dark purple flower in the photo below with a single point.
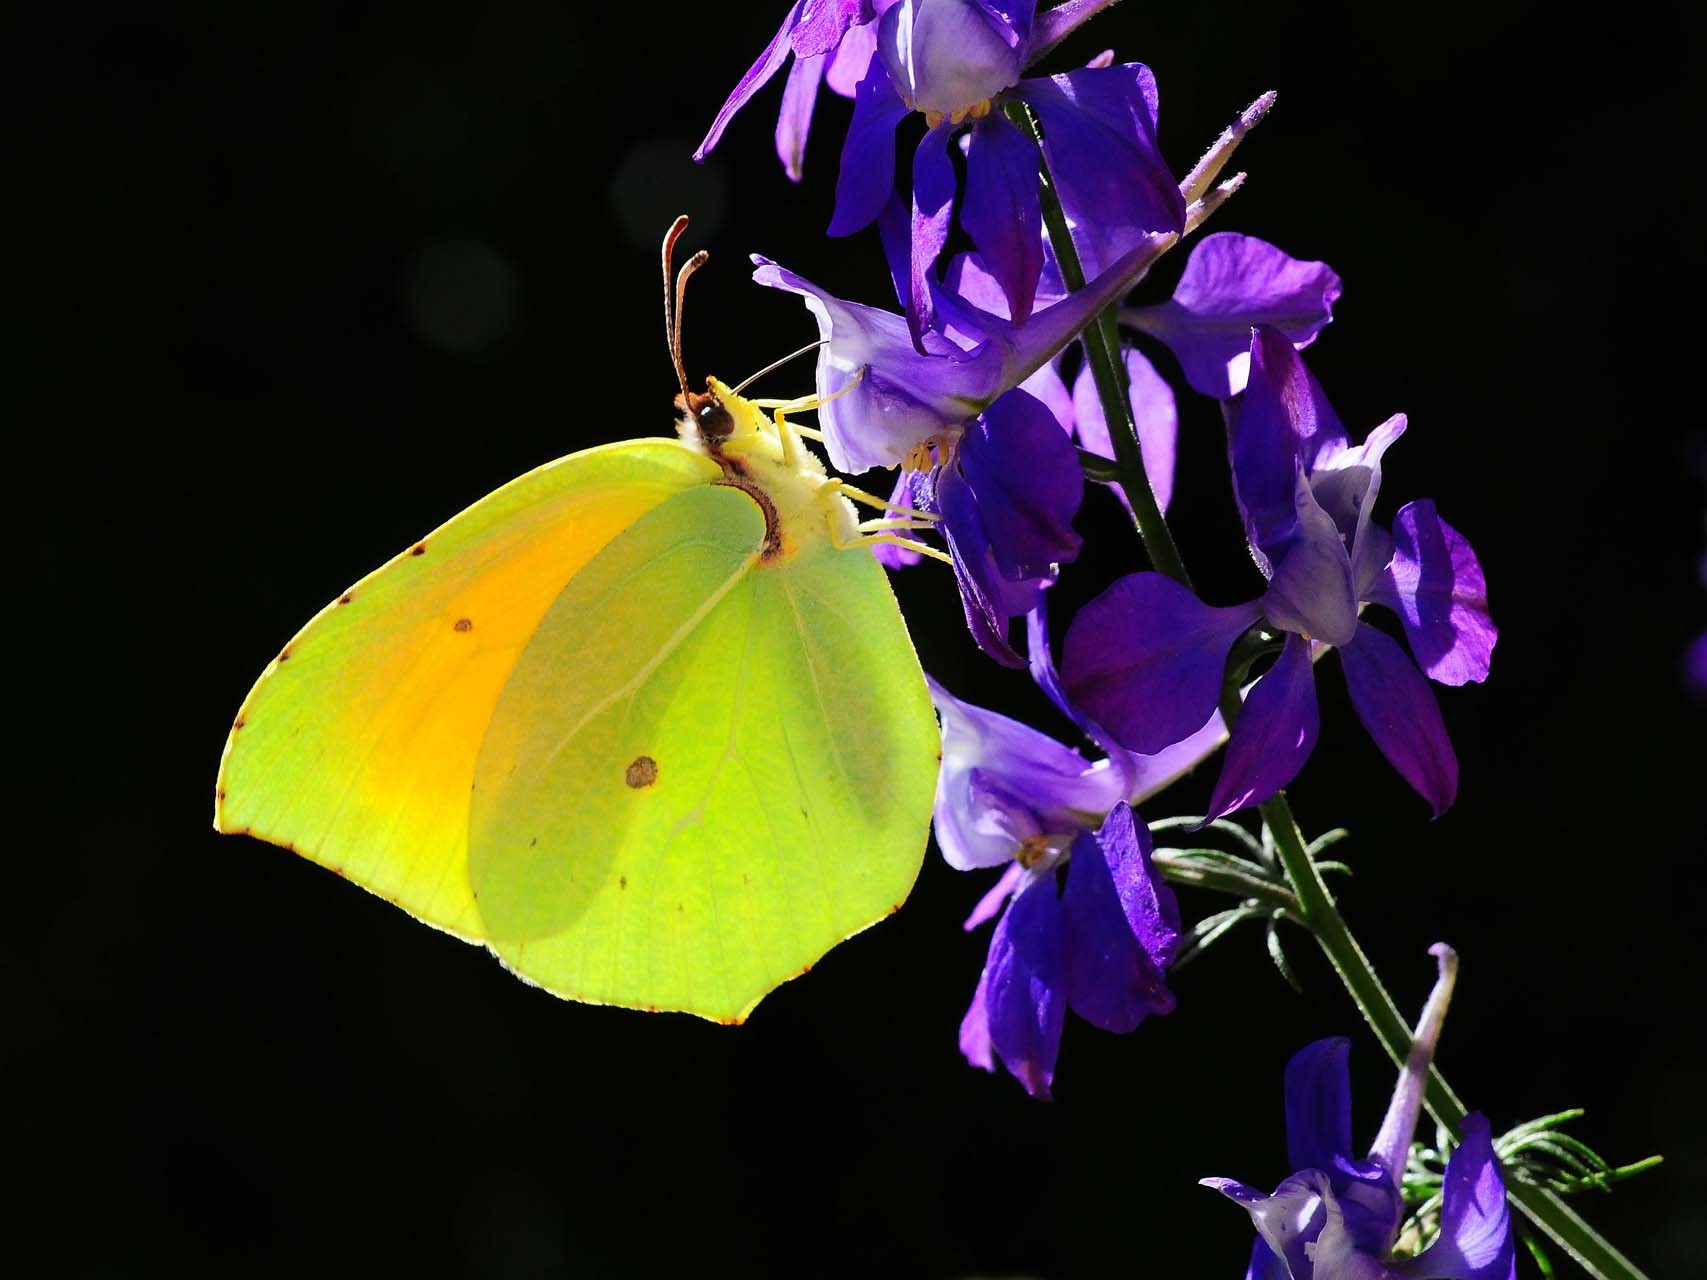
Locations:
(1231, 283)
(1100, 947)
(957, 62)
(1338, 1217)
(890, 399)
(1145, 659)
(832, 41)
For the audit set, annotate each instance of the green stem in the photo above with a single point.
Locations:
(1102, 350)
(1315, 904)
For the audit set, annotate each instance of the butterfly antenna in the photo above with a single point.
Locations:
(692, 265)
(774, 365)
(672, 315)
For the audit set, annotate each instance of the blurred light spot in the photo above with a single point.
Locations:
(658, 179)
(460, 296)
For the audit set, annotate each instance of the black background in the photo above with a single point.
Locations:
(301, 281)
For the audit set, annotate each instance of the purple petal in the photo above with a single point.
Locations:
(933, 207)
(1022, 469)
(1231, 283)
(761, 71)
(851, 59)
(1121, 924)
(1476, 1241)
(895, 234)
(947, 55)
(1287, 1221)
(1099, 127)
(1056, 24)
(1022, 986)
(1283, 421)
(912, 489)
(968, 277)
(1318, 1105)
(1312, 593)
(1435, 584)
(1274, 735)
(867, 175)
(996, 897)
(989, 597)
(975, 1025)
(1264, 1265)
(822, 24)
(1346, 482)
(1002, 782)
(1046, 386)
(1153, 410)
(1145, 660)
(1398, 708)
(1001, 212)
(795, 120)
(1391, 1148)
(1143, 776)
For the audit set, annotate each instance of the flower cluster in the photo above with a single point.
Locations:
(967, 388)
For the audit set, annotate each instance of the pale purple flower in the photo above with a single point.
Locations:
(1337, 1217)
(890, 398)
(1146, 658)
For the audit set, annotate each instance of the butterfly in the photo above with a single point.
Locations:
(646, 721)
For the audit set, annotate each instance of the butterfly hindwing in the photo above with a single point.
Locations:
(707, 769)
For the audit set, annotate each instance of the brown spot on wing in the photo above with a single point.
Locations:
(419, 549)
(463, 624)
(345, 598)
(642, 771)
(622, 882)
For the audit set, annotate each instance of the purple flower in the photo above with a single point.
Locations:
(832, 42)
(1337, 1217)
(956, 62)
(1146, 658)
(1231, 283)
(891, 398)
(1009, 794)
(1100, 947)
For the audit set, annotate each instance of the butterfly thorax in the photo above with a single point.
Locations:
(783, 477)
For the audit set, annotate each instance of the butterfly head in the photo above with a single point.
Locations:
(704, 414)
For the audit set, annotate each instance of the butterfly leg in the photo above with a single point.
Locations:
(881, 504)
(787, 432)
(871, 532)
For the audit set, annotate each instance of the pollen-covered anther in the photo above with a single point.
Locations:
(1032, 850)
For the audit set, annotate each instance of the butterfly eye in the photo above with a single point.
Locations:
(714, 420)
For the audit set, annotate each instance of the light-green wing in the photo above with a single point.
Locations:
(706, 768)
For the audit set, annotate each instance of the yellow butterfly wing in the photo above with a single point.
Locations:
(357, 746)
